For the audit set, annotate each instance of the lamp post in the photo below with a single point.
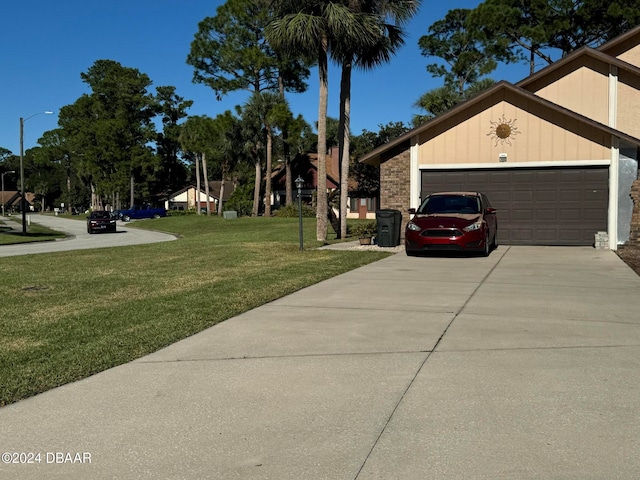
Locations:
(23, 203)
(299, 184)
(3, 200)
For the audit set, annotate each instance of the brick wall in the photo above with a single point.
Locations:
(634, 236)
(395, 190)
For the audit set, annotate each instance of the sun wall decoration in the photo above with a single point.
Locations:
(503, 131)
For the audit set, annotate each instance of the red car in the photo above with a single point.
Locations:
(458, 221)
(101, 221)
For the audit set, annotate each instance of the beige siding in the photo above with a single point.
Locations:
(629, 105)
(584, 91)
(533, 139)
(631, 56)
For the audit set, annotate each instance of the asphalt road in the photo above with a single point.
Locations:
(78, 238)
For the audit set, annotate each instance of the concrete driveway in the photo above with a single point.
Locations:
(521, 365)
(79, 238)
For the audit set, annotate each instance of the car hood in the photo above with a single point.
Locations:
(448, 220)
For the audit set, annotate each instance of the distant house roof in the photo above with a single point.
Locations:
(306, 165)
(11, 198)
(214, 189)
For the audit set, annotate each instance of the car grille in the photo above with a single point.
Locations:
(442, 232)
(442, 247)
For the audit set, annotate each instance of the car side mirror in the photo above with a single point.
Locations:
(412, 211)
(491, 210)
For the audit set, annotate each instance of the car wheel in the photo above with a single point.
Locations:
(156, 216)
(494, 245)
(126, 218)
(487, 246)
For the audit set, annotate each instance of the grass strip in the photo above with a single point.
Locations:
(35, 233)
(65, 316)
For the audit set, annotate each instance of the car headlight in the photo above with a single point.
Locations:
(413, 226)
(473, 226)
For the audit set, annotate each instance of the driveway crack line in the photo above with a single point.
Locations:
(429, 353)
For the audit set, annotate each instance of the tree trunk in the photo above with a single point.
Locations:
(256, 187)
(94, 197)
(206, 183)
(286, 150)
(343, 138)
(69, 188)
(267, 176)
(321, 213)
(333, 220)
(220, 197)
(132, 200)
(288, 180)
(197, 184)
(532, 61)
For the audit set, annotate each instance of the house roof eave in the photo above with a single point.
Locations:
(375, 157)
(581, 52)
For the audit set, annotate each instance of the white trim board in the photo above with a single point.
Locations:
(478, 166)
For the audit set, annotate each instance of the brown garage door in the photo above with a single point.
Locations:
(536, 206)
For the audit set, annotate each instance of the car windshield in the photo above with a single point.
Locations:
(100, 214)
(449, 204)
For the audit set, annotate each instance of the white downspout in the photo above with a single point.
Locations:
(615, 160)
(415, 177)
(613, 193)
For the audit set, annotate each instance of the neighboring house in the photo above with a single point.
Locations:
(306, 166)
(556, 153)
(187, 198)
(11, 201)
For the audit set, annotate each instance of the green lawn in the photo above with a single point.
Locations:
(65, 316)
(35, 233)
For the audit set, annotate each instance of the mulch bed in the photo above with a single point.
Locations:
(631, 256)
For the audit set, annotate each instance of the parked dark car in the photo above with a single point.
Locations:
(100, 221)
(454, 221)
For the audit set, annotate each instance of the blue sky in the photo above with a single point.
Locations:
(44, 46)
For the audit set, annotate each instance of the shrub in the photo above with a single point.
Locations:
(292, 211)
(365, 229)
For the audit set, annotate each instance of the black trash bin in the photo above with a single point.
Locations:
(389, 222)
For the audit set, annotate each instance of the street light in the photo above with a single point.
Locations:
(23, 203)
(3, 200)
(299, 184)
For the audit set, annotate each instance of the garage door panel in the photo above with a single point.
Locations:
(546, 215)
(522, 215)
(596, 195)
(570, 235)
(521, 235)
(569, 214)
(569, 195)
(548, 235)
(522, 196)
(552, 206)
(546, 195)
(500, 196)
(523, 177)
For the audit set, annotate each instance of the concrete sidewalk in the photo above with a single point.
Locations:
(521, 365)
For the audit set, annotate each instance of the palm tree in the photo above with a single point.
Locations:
(195, 137)
(270, 111)
(311, 29)
(367, 54)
